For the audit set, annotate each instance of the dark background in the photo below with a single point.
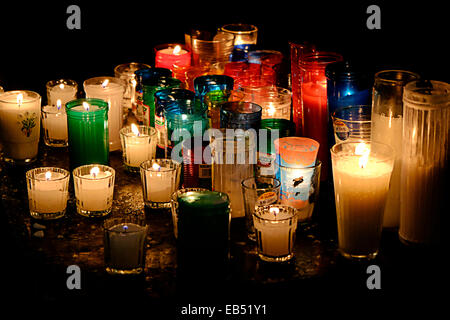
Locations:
(37, 46)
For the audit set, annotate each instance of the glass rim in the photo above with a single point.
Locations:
(415, 95)
(387, 147)
(101, 104)
(318, 164)
(320, 59)
(53, 83)
(29, 173)
(400, 82)
(114, 221)
(252, 28)
(137, 65)
(126, 131)
(77, 171)
(255, 178)
(230, 38)
(175, 164)
(52, 110)
(334, 117)
(32, 95)
(263, 209)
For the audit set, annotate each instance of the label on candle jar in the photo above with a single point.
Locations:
(161, 129)
(341, 130)
(265, 163)
(266, 198)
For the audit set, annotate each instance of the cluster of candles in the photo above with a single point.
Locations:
(390, 184)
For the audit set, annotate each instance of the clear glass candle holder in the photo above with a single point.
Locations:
(361, 175)
(275, 227)
(47, 192)
(94, 189)
(138, 145)
(63, 90)
(275, 101)
(124, 244)
(159, 179)
(212, 51)
(352, 123)
(54, 125)
(258, 191)
(174, 206)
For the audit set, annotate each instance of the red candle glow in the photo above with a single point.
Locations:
(168, 55)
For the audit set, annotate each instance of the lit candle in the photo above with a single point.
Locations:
(138, 145)
(111, 90)
(275, 227)
(166, 56)
(159, 178)
(94, 187)
(125, 245)
(361, 175)
(47, 192)
(20, 125)
(54, 123)
(64, 90)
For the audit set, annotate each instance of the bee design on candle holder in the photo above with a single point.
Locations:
(27, 121)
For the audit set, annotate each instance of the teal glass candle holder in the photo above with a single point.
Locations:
(207, 83)
(87, 125)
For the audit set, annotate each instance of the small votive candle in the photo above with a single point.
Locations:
(160, 178)
(124, 241)
(275, 227)
(94, 189)
(54, 123)
(168, 55)
(47, 192)
(64, 90)
(138, 145)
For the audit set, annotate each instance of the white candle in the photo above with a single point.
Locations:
(138, 144)
(361, 183)
(124, 248)
(54, 123)
(94, 189)
(64, 92)
(20, 124)
(111, 90)
(275, 231)
(47, 192)
(388, 130)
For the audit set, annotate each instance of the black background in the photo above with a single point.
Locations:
(36, 45)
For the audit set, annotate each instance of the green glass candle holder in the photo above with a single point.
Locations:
(87, 124)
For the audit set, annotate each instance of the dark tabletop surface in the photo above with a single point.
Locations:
(34, 265)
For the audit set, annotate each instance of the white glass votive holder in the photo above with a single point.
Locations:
(124, 244)
(159, 178)
(94, 189)
(275, 227)
(54, 125)
(47, 192)
(138, 145)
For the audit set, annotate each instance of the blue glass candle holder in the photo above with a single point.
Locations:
(207, 83)
(240, 115)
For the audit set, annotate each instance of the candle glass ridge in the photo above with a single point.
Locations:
(258, 191)
(94, 189)
(47, 192)
(138, 146)
(20, 126)
(361, 175)
(159, 179)
(275, 227)
(124, 244)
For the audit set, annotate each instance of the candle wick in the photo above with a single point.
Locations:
(125, 228)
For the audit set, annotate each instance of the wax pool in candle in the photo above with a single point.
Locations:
(124, 246)
(49, 193)
(389, 129)
(360, 192)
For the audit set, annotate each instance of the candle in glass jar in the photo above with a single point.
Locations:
(111, 90)
(138, 144)
(20, 125)
(54, 123)
(64, 90)
(166, 56)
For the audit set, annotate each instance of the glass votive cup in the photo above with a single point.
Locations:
(299, 188)
(275, 101)
(94, 189)
(240, 115)
(138, 145)
(174, 206)
(63, 90)
(159, 179)
(47, 192)
(361, 175)
(211, 51)
(124, 244)
(258, 191)
(352, 123)
(214, 100)
(275, 227)
(207, 83)
(54, 125)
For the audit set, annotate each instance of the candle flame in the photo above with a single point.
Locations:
(363, 151)
(105, 83)
(61, 85)
(271, 110)
(95, 171)
(58, 104)
(135, 129)
(176, 50)
(274, 211)
(86, 106)
(156, 167)
(19, 99)
(48, 175)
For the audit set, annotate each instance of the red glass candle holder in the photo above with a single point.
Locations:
(168, 55)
